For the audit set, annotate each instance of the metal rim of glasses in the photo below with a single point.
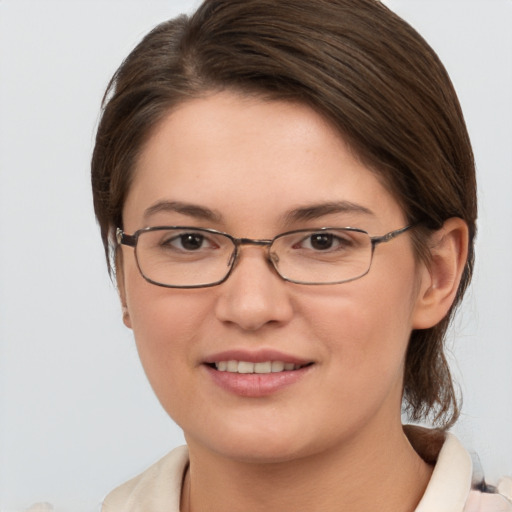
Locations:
(123, 238)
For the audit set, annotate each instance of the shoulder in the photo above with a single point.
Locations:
(505, 487)
(457, 483)
(157, 489)
(488, 498)
(497, 500)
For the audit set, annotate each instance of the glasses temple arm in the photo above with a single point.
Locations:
(389, 236)
(123, 238)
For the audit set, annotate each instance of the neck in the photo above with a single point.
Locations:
(373, 472)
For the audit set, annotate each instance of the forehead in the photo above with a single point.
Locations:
(251, 160)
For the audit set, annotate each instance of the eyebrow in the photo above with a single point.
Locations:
(188, 209)
(304, 213)
(316, 211)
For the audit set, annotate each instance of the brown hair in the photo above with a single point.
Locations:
(355, 62)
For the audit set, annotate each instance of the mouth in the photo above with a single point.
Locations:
(263, 367)
(258, 373)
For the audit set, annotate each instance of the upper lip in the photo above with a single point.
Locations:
(255, 356)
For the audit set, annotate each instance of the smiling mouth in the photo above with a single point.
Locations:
(259, 368)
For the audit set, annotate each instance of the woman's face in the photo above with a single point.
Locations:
(256, 168)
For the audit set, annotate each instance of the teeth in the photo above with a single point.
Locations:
(277, 366)
(245, 367)
(265, 367)
(232, 366)
(248, 367)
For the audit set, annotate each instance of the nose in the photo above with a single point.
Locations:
(254, 295)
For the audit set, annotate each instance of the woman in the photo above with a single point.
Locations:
(287, 193)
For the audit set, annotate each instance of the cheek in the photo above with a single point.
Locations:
(366, 327)
(167, 325)
(159, 314)
(166, 331)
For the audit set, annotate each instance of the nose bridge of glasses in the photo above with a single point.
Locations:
(248, 241)
(253, 241)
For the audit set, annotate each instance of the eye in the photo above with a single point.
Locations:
(324, 241)
(191, 241)
(321, 241)
(188, 242)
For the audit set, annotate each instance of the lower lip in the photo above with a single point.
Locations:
(256, 385)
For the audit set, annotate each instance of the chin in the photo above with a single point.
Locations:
(260, 444)
(258, 453)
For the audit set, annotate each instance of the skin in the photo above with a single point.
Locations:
(337, 431)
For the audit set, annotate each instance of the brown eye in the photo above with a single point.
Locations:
(191, 241)
(324, 241)
(321, 241)
(185, 242)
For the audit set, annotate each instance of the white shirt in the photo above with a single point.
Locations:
(451, 487)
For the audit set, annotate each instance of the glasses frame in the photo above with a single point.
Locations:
(123, 238)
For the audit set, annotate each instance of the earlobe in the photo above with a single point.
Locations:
(126, 316)
(121, 288)
(440, 279)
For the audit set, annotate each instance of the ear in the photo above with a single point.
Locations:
(441, 277)
(121, 287)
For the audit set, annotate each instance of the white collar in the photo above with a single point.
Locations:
(158, 489)
(450, 483)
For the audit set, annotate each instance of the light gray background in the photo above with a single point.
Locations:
(77, 416)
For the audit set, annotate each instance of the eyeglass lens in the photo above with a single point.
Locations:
(194, 257)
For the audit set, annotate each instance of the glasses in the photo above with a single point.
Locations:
(190, 257)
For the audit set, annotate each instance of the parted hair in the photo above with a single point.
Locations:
(362, 68)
